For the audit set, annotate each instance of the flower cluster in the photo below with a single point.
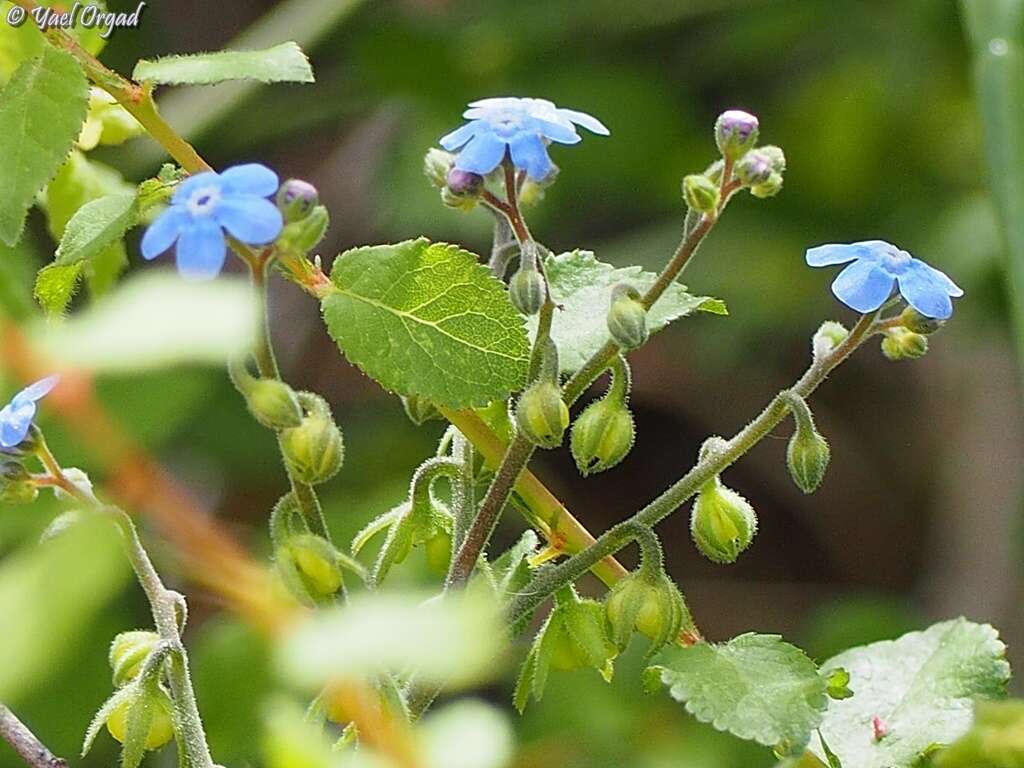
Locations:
(207, 205)
(17, 416)
(522, 128)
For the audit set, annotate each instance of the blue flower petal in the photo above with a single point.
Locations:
(482, 155)
(253, 220)
(457, 138)
(589, 122)
(553, 131)
(530, 154)
(952, 289)
(192, 183)
(201, 250)
(250, 179)
(863, 286)
(164, 231)
(833, 253)
(15, 423)
(34, 392)
(926, 290)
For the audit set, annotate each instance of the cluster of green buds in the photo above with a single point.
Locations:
(604, 433)
(574, 636)
(527, 288)
(722, 522)
(647, 601)
(807, 454)
(627, 317)
(541, 414)
(140, 713)
(761, 170)
(422, 520)
(305, 220)
(907, 338)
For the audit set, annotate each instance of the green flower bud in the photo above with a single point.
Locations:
(901, 344)
(650, 604)
(274, 404)
(627, 318)
(542, 415)
(914, 321)
(153, 705)
(308, 565)
(296, 200)
(829, 336)
(16, 485)
(722, 523)
(735, 133)
(762, 170)
(128, 653)
(436, 164)
(701, 193)
(420, 410)
(314, 450)
(528, 290)
(602, 436)
(807, 454)
(305, 234)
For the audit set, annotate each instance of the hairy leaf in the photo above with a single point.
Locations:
(96, 226)
(56, 285)
(919, 687)
(582, 286)
(427, 319)
(42, 109)
(284, 63)
(757, 687)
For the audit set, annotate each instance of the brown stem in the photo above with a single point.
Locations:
(25, 743)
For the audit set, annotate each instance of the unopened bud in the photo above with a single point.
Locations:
(314, 450)
(436, 164)
(901, 344)
(701, 193)
(304, 235)
(542, 415)
(128, 653)
(274, 404)
(464, 183)
(807, 454)
(308, 564)
(528, 290)
(627, 318)
(156, 712)
(914, 321)
(651, 605)
(735, 133)
(296, 200)
(829, 336)
(722, 522)
(602, 436)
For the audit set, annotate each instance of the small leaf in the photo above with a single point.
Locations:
(96, 225)
(582, 286)
(284, 63)
(427, 319)
(42, 109)
(757, 687)
(838, 682)
(917, 690)
(56, 285)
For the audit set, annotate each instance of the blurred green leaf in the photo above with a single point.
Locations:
(42, 109)
(757, 687)
(427, 319)
(581, 286)
(920, 688)
(466, 734)
(284, 63)
(20, 43)
(157, 319)
(996, 740)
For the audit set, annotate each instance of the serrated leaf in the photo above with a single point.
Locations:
(581, 286)
(42, 109)
(920, 687)
(757, 687)
(56, 285)
(427, 319)
(284, 63)
(96, 225)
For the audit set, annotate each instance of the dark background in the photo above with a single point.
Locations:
(919, 516)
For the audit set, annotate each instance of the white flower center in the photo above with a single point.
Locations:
(204, 201)
(894, 260)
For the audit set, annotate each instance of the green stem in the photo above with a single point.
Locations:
(463, 489)
(711, 464)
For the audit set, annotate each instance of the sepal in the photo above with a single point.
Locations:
(722, 522)
(315, 449)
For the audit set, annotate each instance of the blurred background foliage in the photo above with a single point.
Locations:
(919, 517)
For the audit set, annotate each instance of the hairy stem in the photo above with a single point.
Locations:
(25, 743)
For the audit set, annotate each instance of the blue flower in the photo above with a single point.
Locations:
(205, 206)
(522, 127)
(17, 416)
(877, 266)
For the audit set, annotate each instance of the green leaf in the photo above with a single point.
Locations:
(18, 44)
(56, 285)
(427, 319)
(96, 226)
(284, 63)
(920, 687)
(757, 687)
(79, 181)
(996, 740)
(581, 286)
(42, 109)
(155, 320)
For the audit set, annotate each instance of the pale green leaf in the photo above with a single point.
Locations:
(921, 688)
(96, 226)
(996, 740)
(757, 687)
(42, 109)
(284, 63)
(155, 320)
(466, 734)
(427, 319)
(79, 181)
(56, 285)
(582, 286)
(451, 640)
